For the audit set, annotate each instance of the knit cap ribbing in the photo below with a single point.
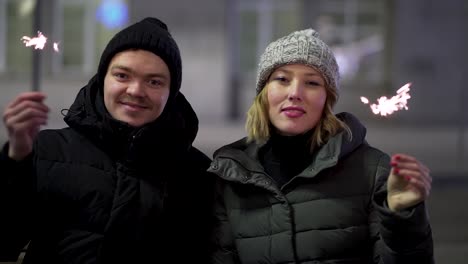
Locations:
(300, 47)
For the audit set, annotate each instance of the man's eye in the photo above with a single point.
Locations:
(120, 75)
(155, 83)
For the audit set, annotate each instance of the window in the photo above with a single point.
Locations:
(18, 23)
(355, 29)
(73, 24)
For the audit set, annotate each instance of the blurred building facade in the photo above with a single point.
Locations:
(380, 45)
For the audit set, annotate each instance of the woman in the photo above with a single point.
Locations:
(304, 186)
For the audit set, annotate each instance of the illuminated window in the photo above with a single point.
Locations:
(18, 24)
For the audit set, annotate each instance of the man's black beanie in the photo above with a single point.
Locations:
(149, 34)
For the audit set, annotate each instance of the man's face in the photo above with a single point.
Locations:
(136, 87)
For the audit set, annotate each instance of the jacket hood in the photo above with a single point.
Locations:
(174, 130)
(358, 134)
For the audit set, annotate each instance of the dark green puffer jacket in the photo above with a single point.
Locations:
(332, 212)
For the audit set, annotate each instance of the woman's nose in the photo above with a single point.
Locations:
(295, 91)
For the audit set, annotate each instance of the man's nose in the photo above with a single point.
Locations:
(135, 89)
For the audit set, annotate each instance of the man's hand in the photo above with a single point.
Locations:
(23, 118)
(409, 182)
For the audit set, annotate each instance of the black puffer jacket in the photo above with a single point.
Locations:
(102, 192)
(332, 212)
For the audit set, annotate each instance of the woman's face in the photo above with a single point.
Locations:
(296, 98)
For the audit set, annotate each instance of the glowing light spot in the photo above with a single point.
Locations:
(38, 42)
(112, 13)
(387, 106)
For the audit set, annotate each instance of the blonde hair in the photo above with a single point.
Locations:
(258, 125)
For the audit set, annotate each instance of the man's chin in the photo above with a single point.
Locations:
(131, 121)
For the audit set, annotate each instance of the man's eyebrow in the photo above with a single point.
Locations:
(158, 75)
(130, 70)
(121, 67)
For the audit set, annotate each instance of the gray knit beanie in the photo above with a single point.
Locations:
(300, 47)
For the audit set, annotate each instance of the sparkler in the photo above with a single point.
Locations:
(387, 106)
(38, 42)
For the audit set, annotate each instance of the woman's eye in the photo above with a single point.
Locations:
(281, 79)
(315, 83)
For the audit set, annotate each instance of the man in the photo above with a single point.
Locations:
(121, 184)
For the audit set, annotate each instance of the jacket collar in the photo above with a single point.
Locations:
(174, 131)
(243, 156)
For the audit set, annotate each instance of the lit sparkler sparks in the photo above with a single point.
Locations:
(38, 42)
(387, 106)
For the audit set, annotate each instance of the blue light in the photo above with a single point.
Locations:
(112, 13)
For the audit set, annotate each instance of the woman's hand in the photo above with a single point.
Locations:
(409, 182)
